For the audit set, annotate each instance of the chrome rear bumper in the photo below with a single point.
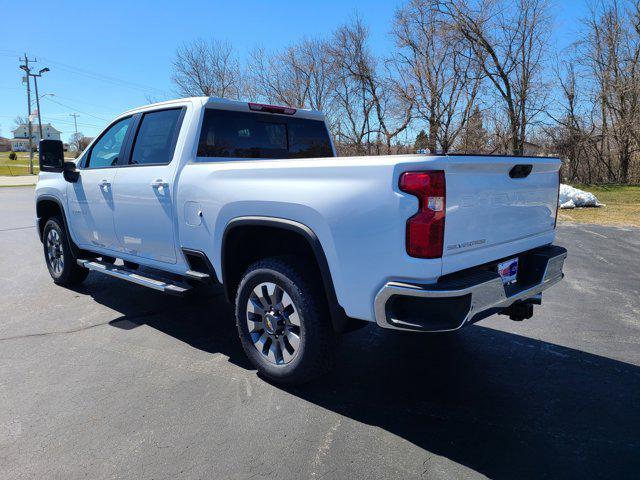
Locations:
(461, 297)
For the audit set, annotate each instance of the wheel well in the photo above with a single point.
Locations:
(45, 209)
(246, 244)
(249, 239)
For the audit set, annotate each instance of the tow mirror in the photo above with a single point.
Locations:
(51, 156)
(70, 172)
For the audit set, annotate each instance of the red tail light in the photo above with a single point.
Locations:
(425, 230)
(259, 107)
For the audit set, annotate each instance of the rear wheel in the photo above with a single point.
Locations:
(283, 322)
(60, 260)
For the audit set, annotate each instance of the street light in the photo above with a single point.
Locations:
(47, 95)
(35, 82)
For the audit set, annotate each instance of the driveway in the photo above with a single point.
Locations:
(112, 380)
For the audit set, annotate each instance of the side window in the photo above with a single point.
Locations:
(106, 151)
(155, 140)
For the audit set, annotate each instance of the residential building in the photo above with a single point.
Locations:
(20, 140)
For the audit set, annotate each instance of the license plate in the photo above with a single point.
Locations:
(508, 271)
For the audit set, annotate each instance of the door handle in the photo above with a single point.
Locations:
(104, 184)
(159, 183)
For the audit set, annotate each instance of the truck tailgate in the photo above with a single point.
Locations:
(487, 210)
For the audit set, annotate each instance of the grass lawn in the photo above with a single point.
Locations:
(14, 170)
(622, 206)
(21, 165)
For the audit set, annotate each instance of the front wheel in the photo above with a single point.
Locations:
(60, 260)
(283, 321)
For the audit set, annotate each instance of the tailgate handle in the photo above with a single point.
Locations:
(520, 171)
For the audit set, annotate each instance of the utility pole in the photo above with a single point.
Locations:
(27, 71)
(75, 121)
(35, 76)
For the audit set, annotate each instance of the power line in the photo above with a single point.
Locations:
(102, 77)
(91, 74)
(75, 100)
(50, 119)
(70, 122)
(72, 108)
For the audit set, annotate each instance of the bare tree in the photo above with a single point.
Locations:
(208, 68)
(507, 40)
(20, 120)
(439, 74)
(78, 143)
(300, 76)
(611, 53)
(370, 104)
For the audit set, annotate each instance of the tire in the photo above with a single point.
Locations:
(60, 260)
(286, 334)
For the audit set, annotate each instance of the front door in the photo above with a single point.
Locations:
(91, 202)
(143, 194)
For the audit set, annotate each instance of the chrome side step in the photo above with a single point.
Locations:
(198, 276)
(162, 285)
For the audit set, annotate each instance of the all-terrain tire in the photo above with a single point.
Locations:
(314, 352)
(60, 260)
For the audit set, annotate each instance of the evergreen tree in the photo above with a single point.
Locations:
(475, 138)
(422, 141)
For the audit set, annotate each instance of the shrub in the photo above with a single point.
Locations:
(13, 156)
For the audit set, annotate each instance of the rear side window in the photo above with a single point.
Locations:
(155, 140)
(257, 135)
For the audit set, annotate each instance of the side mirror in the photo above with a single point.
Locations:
(70, 172)
(51, 155)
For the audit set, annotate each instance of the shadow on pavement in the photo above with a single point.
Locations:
(501, 404)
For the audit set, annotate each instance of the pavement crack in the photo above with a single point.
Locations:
(16, 228)
(59, 332)
(76, 330)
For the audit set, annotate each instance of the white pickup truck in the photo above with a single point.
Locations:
(305, 244)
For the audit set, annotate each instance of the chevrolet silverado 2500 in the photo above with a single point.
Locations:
(305, 244)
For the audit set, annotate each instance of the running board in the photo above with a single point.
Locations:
(198, 276)
(131, 276)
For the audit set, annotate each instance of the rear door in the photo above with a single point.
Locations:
(144, 187)
(493, 202)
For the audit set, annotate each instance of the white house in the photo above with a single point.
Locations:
(20, 140)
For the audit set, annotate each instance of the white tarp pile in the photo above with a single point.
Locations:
(573, 197)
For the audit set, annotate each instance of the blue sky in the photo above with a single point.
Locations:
(107, 59)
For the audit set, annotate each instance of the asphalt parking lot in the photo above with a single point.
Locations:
(116, 381)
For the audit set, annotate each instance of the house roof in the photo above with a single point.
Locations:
(35, 127)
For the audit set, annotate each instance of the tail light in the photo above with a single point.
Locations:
(259, 107)
(425, 230)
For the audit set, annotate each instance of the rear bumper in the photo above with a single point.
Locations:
(467, 296)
